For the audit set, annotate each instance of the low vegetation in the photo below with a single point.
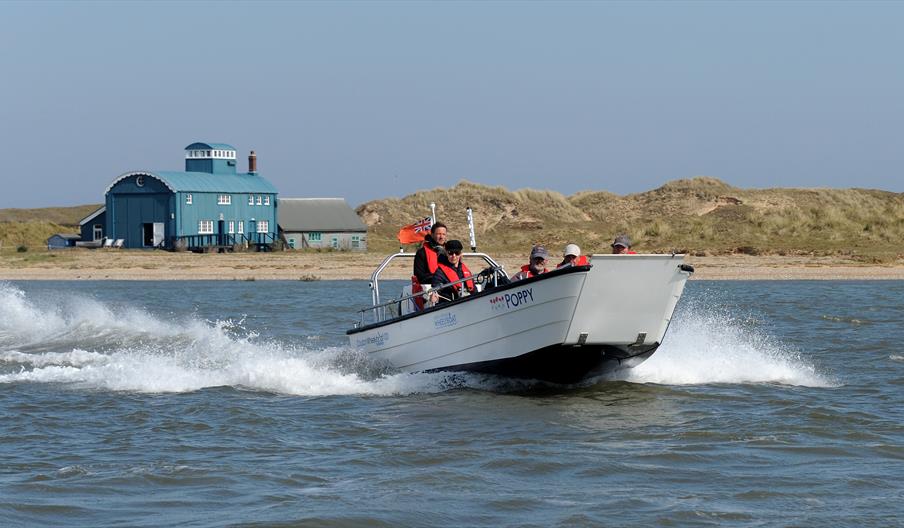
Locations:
(29, 229)
(702, 216)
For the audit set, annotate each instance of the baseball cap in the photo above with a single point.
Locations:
(539, 251)
(572, 249)
(622, 240)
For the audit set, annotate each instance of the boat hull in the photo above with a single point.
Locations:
(562, 364)
(563, 326)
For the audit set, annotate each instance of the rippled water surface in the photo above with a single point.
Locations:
(238, 403)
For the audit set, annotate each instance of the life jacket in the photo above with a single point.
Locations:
(416, 288)
(526, 269)
(452, 275)
(432, 257)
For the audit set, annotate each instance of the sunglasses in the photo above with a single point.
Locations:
(454, 252)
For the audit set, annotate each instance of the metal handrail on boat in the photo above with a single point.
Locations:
(379, 309)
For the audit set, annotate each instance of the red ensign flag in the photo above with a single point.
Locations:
(415, 233)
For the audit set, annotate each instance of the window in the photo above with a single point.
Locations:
(263, 226)
(241, 227)
(98, 231)
(267, 200)
(334, 242)
(205, 227)
(188, 199)
(292, 243)
(224, 199)
(231, 227)
(314, 237)
(250, 199)
(356, 241)
(259, 200)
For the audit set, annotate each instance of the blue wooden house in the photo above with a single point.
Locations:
(92, 226)
(209, 205)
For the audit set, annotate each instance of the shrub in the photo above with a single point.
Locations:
(22, 248)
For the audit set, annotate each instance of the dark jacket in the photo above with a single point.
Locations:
(440, 278)
(421, 266)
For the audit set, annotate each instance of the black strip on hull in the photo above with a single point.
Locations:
(562, 364)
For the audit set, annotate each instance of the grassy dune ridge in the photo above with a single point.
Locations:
(32, 227)
(702, 216)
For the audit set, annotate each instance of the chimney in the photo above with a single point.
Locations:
(252, 163)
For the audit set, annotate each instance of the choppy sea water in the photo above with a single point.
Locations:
(239, 404)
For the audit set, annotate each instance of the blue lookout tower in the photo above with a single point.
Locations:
(209, 205)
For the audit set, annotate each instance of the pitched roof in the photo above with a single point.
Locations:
(93, 215)
(206, 182)
(317, 214)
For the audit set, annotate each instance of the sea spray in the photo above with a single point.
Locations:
(86, 343)
(708, 344)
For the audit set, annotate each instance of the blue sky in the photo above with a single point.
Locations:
(378, 99)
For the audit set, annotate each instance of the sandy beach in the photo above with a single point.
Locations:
(82, 264)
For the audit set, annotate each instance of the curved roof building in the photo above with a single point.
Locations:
(209, 204)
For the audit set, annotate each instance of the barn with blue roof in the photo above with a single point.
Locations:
(209, 205)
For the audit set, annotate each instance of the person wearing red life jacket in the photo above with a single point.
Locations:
(427, 257)
(622, 246)
(449, 269)
(572, 257)
(537, 265)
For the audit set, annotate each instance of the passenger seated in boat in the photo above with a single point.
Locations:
(572, 257)
(450, 268)
(427, 257)
(537, 265)
(622, 246)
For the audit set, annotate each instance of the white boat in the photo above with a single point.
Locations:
(562, 326)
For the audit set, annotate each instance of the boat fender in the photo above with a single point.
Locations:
(686, 267)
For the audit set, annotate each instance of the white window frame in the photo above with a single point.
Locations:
(260, 200)
(356, 241)
(267, 200)
(241, 227)
(188, 199)
(205, 227)
(232, 227)
(263, 226)
(224, 199)
(250, 199)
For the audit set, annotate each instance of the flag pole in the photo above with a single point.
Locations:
(433, 212)
(471, 231)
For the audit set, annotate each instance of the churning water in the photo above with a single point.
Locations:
(239, 403)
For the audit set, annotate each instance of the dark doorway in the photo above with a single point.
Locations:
(147, 234)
